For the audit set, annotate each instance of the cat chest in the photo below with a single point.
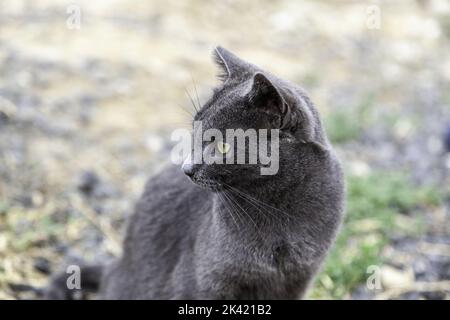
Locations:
(253, 261)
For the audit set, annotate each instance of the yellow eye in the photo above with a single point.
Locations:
(223, 147)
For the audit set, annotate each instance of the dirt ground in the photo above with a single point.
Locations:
(86, 116)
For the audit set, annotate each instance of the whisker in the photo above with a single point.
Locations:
(243, 210)
(192, 100)
(263, 205)
(233, 207)
(229, 211)
(196, 93)
(257, 201)
(187, 111)
(258, 207)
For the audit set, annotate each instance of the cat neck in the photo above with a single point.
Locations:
(247, 210)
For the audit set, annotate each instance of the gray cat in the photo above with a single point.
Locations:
(226, 231)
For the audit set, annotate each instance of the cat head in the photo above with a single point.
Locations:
(250, 100)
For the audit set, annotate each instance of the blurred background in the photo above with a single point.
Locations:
(87, 107)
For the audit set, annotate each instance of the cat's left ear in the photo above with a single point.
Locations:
(291, 110)
(265, 96)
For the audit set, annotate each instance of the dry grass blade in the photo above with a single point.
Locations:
(112, 241)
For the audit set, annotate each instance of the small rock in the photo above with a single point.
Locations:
(42, 265)
(410, 296)
(7, 110)
(420, 269)
(441, 267)
(362, 293)
(393, 277)
(435, 295)
(89, 180)
(26, 200)
(447, 138)
(3, 117)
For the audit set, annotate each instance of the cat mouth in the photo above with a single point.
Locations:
(208, 184)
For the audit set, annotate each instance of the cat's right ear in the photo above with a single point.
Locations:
(229, 64)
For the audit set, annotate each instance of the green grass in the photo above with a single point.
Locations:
(26, 228)
(345, 124)
(378, 206)
(341, 126)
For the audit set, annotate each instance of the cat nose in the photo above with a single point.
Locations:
(188, 167)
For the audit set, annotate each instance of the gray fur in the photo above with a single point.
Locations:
(194, 241)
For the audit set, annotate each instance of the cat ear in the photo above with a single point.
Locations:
(265, 96)
(229, 64)
(293, 112)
